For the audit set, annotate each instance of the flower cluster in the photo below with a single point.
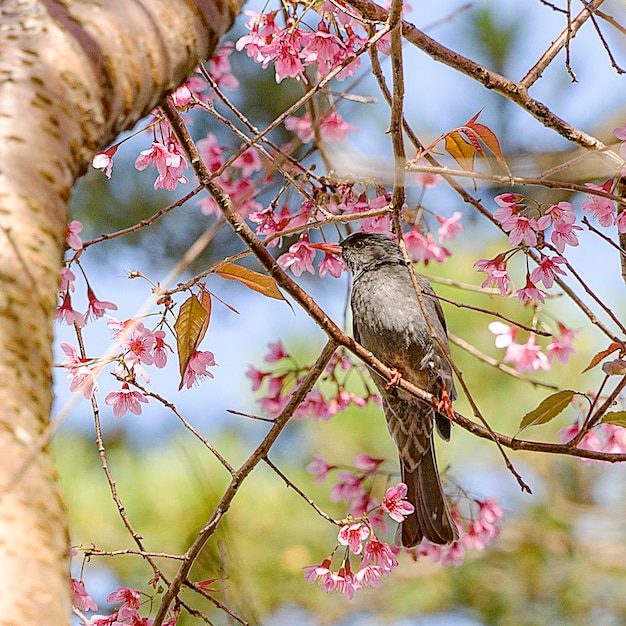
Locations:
(127, 614)
(280, 382)
(367, 521)
(67, 285)
(528, 356)
(478, 530)
(292, 49)
(377, 558)
(607, 438)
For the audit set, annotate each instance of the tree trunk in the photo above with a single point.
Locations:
(72, 76)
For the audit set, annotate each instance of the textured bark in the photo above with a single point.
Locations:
(72, 76)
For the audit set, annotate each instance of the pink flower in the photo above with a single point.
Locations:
(169, 162)
(620, 133)
(547, 269)
(395, 504)
(367, 464)
(80, 598)
(318, 572)
(82, 378)
(249, 162)
(505, 335)
(72, 238)
(160, 348)
(197, 367)
(334, 128)
(67, 279)
(523, 230)
(496, 271)
(509, 206)
(368, 576)
(353, 536)
(530, 292)
(256, 376)
(561, 347)
(277, 352)
(347, 488)
(211, 152)
(97, 308)
(527, 357)
(342, 581)
(130, 597)
(331, 265)
(378, 553)
(104, 160)
(564, 235)
(449, 226)
(67, 314)
(601, 208)
(139, 343)
(486, 526)
(301, 126)
(561, 213)
(125, 400)
(320, 468)
(299, 258)
(423, 248)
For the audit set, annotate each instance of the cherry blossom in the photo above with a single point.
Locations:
(353, 536)
(277, 352)
(97, 308)
(169, 161)
(449, 227)
(379, 553)
(73, 240)
(527, 357)
(548, 267)
(320, 468)
(299, 258)
(66, 313)
(561, 347)
(125, 400)
(104, 160)
(395, 504)
(600, 208)
(80, 598)
(530, 293)
(497, 274)
(197, 368)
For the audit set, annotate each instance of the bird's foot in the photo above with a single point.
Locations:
(395, 378)
(445, 404)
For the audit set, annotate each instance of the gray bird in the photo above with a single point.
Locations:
(388, 320)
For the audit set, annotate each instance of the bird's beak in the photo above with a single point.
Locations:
(329, 248)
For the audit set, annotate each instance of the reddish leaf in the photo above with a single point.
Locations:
(602, 355)
(265, 285)
(460, 150)
(549, 408)
(191, 326)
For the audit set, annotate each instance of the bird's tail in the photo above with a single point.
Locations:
(432, 519)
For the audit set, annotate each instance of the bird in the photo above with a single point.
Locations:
(389, 321)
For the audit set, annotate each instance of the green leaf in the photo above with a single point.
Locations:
(618, 418)
(549, 408)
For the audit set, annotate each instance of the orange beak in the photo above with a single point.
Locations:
(329, 248)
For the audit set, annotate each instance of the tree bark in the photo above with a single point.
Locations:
(73, 75)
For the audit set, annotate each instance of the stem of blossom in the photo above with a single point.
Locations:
(238, 477)
(205, 594)
(515, 92)
(537, 446)
(301, 493)
(413, 166)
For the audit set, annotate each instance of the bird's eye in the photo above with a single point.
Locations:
(359, 243)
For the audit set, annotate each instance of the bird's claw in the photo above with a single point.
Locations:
(395, 378)
(445, 404)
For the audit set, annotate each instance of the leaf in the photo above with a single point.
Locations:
(549, 408)
(262, 283)
(618, 418)
(460, 150)
(488, 137)
(602, 355)
(191, 326)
